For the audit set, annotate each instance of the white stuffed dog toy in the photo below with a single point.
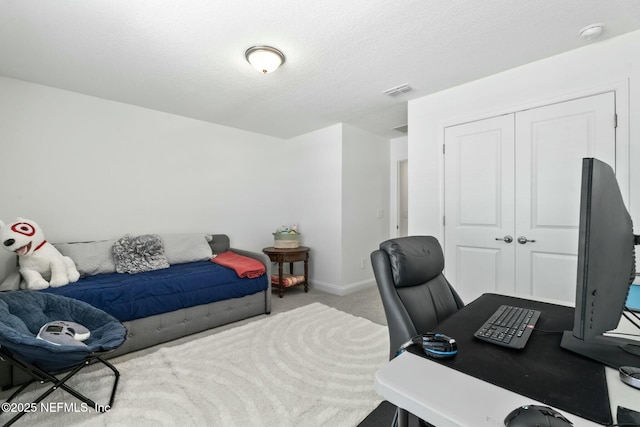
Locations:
(39, 259)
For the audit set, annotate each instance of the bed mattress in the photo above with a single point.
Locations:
(134, 296)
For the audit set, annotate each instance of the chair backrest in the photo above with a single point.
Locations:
(415, 294)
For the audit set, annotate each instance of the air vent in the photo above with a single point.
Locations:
(402, 129)
(398, 90)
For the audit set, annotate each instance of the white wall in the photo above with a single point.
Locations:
(339, 180)
(399, 152)
(365, 197)
(313, 199)
(610, 64)
(86, 168)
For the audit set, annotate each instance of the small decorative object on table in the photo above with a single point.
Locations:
(286, 237)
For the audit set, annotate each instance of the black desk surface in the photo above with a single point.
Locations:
(542, 370)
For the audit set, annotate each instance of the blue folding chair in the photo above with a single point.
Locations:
(24, 312)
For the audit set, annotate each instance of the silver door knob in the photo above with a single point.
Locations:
(507, 238)
(522, 240)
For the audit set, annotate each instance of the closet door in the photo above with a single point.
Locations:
(550, 143)
(479, 206)
(512, 196)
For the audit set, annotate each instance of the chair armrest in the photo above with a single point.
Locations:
(11, 282)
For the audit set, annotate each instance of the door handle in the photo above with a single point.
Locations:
(522, 240)
(507, 238)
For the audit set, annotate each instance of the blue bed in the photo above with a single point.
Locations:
(133, 296)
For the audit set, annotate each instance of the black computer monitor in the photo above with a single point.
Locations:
(606, 269)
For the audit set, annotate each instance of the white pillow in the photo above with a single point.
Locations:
(90, 257)
(182, 248)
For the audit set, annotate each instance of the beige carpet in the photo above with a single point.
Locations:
(311, 366)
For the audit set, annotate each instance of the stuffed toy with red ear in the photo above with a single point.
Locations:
(41, 264)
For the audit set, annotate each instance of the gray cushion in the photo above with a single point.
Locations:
(90, 257)
(182, 248)
(140, 253)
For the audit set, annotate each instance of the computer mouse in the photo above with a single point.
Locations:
(630, 375)
(536, 416)
(439, 346)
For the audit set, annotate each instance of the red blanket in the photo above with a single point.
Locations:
(244, 266)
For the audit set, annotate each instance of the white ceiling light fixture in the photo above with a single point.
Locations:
(592, 31)
(264, 58)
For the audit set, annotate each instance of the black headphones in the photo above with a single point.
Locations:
(434, 344)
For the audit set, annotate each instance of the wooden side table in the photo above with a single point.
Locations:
(289, 255)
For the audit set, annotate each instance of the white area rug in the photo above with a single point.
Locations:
(312, 366)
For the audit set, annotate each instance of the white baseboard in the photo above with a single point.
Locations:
(341, 290)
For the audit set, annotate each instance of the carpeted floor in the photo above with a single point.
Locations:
(365, 303)
(306, 366)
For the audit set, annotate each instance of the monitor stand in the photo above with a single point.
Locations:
(611, 351)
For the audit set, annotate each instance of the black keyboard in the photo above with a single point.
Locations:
(509, 326)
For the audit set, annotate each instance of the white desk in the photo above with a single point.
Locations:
(446, 397)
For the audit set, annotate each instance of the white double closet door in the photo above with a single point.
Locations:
(512, 196)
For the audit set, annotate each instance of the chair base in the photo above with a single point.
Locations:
(42, 377)
(402, 418)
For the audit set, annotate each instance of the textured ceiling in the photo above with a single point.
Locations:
(187, 57)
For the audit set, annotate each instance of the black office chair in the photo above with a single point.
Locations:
(415, 294)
